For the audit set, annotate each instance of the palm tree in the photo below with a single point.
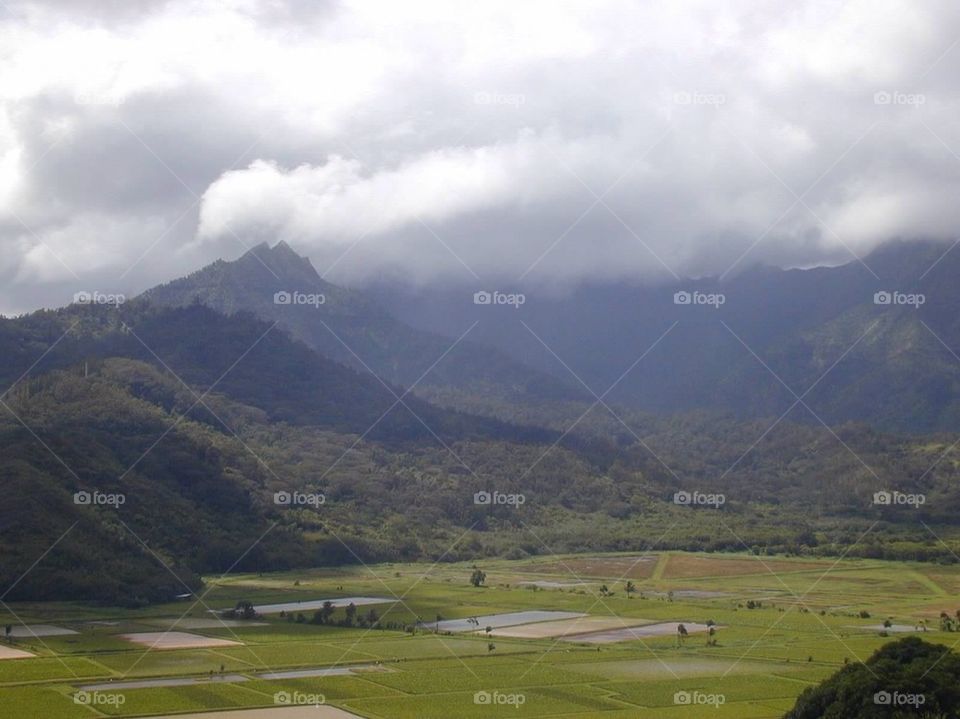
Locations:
(326, 611)
(350, 613)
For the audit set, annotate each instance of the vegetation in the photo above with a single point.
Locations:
(759, 661)
(909, 677)
(200, 460)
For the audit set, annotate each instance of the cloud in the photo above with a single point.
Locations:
(338, 201)
(549, 141)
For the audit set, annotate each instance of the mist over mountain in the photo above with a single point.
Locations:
(203, 397)
(774, 335)
(352, 328)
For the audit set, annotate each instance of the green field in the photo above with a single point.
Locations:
(807, 625)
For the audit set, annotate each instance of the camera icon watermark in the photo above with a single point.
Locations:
(893, 498)
(711, 299)
(108, 99)
(95, 297)
(96, 498)
(485, 698)
(698, 698)
(299, 499)
(299, 299)
(484, 498)
(895, 97)
(484, 97)
(297, 698)
(902, 299)
(99, 699)
(696, 97)
(510, 299)
(899, 699)
(684, 498)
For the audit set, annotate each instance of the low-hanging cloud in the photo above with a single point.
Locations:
(339, 201)
(544, 141)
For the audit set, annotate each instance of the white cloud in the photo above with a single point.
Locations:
(338, 201)
(322, 122)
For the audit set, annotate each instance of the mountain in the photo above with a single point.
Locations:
(243, 357)
(198, 488)
(157, 405)
(778, 335)
(279, 285)
(198, 419)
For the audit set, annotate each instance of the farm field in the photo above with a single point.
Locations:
(572, 645)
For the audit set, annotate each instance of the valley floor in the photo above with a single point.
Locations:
(544, 637)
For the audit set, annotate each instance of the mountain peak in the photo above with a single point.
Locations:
(283, 248)
(281, 260)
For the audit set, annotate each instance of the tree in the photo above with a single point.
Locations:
(243, 610)
(478, 577)
(326, 611)
(351, 614)
(909, 666)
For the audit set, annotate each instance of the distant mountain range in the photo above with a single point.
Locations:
(752, 344)
(202, 399)
(778, 334)
(277, 284)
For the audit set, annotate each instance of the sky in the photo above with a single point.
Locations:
(432, 141)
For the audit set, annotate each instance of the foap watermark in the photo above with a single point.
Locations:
(498, 499)
(109, 99)
(510, 299)
(299, 299)
(698, 698)
(899, 299)
(510, 99)
(299, 499)
(499, 699)
(113, 299)
(708, 299)
(894, 498)
(299, 698)
(899, 699)
(696, 97)
(896, 97)
(99, 499)
(99, 699)
(698, 499)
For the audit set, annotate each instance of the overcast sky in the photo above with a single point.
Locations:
(450, 140)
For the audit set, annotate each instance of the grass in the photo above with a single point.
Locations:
(803, 630)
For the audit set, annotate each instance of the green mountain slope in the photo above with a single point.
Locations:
(896, 367)
(354, 330)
